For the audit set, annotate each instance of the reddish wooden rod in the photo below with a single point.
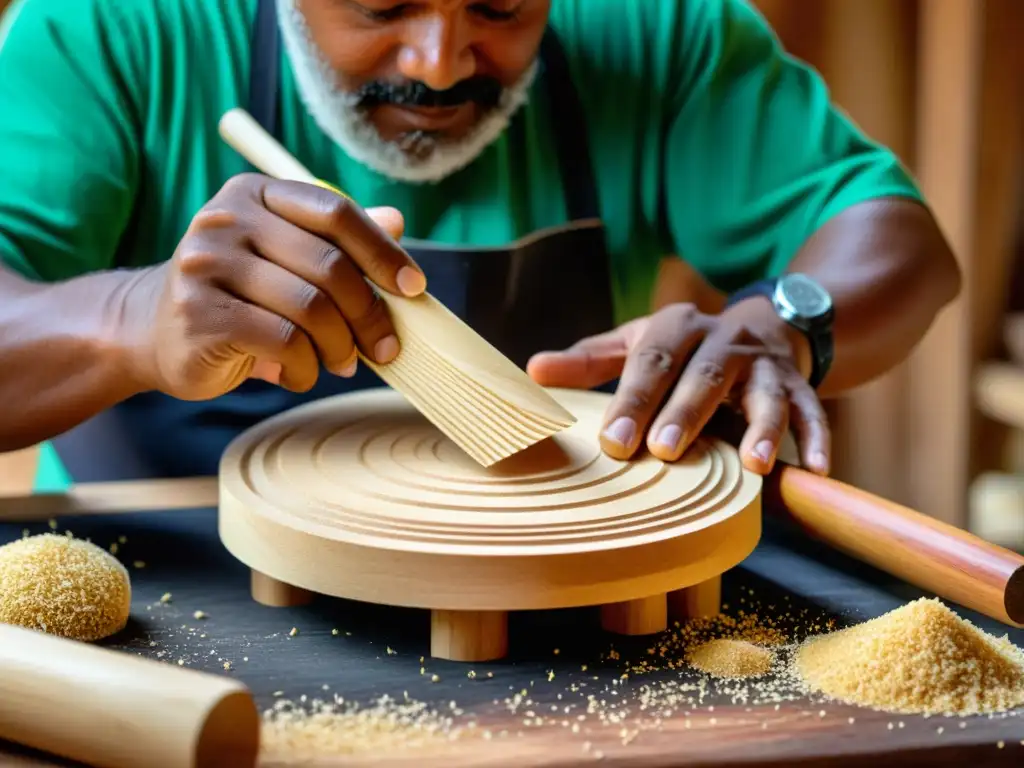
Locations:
(933, 556)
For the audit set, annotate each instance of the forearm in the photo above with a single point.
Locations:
(61, 354)
(889, 271)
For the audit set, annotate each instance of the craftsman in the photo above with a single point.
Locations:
(530, 162)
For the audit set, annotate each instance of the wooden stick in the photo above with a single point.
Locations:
(249, 139)
(931, 555)
(119, 710)
(112, 498)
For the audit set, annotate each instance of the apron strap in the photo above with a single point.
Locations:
(570, 125)
(265, 67)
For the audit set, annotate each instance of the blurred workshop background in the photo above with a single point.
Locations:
(938, 81)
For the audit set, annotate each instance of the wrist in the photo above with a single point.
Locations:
(126, 326)
(757, 312)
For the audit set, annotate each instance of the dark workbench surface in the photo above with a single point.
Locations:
(377, 652)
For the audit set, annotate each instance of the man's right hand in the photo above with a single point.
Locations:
(269, 282)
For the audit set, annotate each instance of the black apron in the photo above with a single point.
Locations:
(512, 296)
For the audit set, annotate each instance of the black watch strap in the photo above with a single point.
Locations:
(818, 331)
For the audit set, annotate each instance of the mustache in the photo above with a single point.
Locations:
(481, 90)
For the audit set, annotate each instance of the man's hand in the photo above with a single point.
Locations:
(269, 282)
(677, 366)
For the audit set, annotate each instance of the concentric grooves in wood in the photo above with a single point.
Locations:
(386, 477)
(474, 395)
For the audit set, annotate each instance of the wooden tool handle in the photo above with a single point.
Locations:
(119, 710)
(119, 496)
(931, 555)
(248, 138)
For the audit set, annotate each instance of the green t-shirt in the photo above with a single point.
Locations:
(707, 140)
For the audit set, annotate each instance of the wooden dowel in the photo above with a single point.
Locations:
(933, 556)
(118, 710)
(112, 498)
(241, 132)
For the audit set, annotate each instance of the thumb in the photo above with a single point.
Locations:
(389, 219)
(576, 368)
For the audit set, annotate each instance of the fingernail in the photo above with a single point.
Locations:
(819, 461)
(669, 436)
(349, 370)
(386, 349)
(410, 282)
(763, 450)
(622, 430)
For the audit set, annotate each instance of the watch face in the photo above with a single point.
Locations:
(803, 297)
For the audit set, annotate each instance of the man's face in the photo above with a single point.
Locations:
(414, 89)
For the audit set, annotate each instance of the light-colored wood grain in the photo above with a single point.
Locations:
(645, 616)
(479, 398)
(468, 635)
(697, 602)
(275, 594)
(112, 498)
(360, 496)
(931, 555)
(104, 707)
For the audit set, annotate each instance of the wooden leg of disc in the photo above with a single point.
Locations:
(697, 602)
(468, 635)
(277, 594)
(646, 616)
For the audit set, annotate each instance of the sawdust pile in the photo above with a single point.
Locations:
(675, 647)
(338, 728)
(731, 659)
(64, 586)
(918, 659)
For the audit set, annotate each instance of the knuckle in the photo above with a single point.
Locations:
(214, 217)
(331, 263)
(336, 209)
(196, 258)
(311, 303)
(374, 318)
(710, 372)
(289, 335)
(241, 183)
(683, 312)
(656, 358)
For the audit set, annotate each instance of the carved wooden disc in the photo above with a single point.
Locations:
(359, 496)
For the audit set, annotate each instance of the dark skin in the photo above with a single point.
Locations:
(268, 282)
(439, 43)
(889, 271)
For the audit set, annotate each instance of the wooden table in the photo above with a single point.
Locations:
(377, 651)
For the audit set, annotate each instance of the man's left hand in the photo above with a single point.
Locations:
(678, 366)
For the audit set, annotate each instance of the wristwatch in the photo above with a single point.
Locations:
(805, 305)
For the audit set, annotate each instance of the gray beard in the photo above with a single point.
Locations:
(417, 158)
